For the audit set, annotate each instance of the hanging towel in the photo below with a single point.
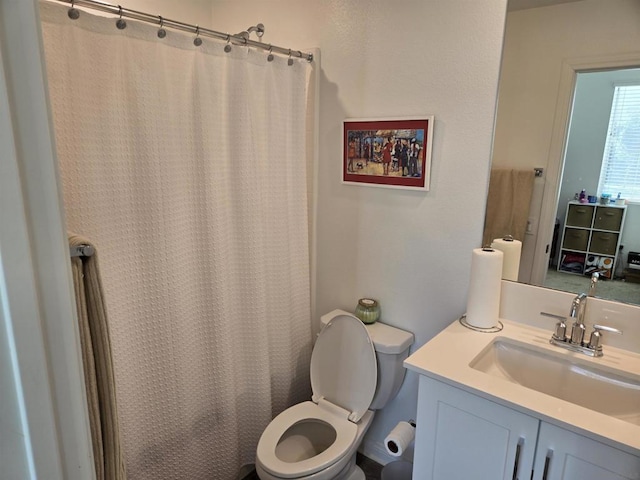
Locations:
(98, 364)
(508, 204)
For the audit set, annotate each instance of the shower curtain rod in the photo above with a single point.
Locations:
(237, 39)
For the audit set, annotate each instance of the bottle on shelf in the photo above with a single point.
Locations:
(583, 196)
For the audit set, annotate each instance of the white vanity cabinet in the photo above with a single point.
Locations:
(462, 436)
(566, 455)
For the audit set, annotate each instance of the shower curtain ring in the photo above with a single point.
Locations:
(121, 22)
(197, 41)
(227, 47)
(73, 12)
(270, 56)
(290, 61)
(161, 31)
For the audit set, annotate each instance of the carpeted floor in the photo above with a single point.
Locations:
(617, 290)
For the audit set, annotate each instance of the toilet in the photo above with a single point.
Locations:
(355, 370)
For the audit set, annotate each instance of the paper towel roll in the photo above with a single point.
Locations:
(399, 438)
(511, 261)
(483, 303)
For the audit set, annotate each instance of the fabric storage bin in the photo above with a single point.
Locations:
(608, 218)
(575, 239)
(604, 243)
(580, 215)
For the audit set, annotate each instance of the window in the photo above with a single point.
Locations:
(621, 163)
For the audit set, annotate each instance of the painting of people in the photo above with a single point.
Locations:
(392, 153)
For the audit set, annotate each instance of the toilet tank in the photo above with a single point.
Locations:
(392, 347)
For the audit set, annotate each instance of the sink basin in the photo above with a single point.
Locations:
(608, 391)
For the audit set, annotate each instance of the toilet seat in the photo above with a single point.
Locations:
(343, 375)
(305, 412)
(344, 369)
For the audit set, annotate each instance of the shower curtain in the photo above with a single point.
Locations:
(187, 167)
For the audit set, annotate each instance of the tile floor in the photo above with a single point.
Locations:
(370, 468)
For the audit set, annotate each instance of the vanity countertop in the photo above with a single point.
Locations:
(447, 357)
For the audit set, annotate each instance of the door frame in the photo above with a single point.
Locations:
(49, 435)
(557, 150)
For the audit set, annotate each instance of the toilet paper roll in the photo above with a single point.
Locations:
(511, 260)
(399, 438)
(483, 303)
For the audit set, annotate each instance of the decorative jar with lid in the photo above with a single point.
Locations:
(368, 310)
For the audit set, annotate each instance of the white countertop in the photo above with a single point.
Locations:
(448, 355)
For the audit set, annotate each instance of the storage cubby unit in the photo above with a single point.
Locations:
(591, 238)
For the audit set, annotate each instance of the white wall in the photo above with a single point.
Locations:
(536, 43)
(195, 12)
(410, 250)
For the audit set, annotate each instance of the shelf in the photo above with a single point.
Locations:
(572, 262)
(591, 238)
(601, 264)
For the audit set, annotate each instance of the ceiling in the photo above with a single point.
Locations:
(525, 4)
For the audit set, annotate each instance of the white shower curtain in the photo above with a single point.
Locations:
(187, 167)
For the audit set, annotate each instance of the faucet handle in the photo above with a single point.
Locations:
(561, 327)
(596, 335)
(605, 328)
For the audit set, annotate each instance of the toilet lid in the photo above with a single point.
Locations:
(343, 366)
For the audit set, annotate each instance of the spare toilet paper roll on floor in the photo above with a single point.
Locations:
(511, 261)
(483, 303)
(399, 438)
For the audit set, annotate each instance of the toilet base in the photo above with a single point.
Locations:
(356, 474)
(350, 471)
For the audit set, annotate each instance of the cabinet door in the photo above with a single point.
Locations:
(564, 455)
(460, 436)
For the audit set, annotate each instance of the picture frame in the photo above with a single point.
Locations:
(389, 153)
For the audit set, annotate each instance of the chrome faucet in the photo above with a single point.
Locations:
(578, 307)
(576, 341)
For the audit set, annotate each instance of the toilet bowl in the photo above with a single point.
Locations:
(318, 439)
(308, 441)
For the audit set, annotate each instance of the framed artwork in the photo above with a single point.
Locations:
(391, 153)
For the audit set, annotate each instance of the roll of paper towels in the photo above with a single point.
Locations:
(483, 303)
(399, 438)
(511, 261)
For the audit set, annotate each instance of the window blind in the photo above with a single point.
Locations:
(621, 163)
